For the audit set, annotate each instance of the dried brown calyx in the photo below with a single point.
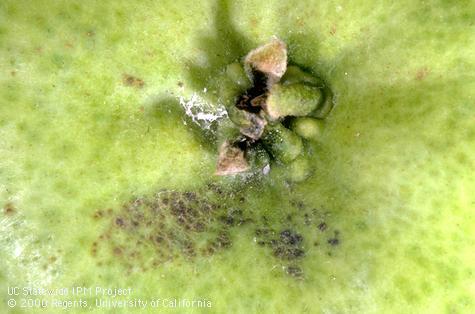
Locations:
(231, 160)
(259, 96)
(269, 59)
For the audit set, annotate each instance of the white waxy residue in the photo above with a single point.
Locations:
(201, 112)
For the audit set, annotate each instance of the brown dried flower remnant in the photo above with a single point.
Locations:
(231, 160)
(261, 110)
(270, 59)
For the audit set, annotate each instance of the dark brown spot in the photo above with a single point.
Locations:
(132, 81)
(9, 209)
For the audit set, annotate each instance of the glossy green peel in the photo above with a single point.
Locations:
(92, 121)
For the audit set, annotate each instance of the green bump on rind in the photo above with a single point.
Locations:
(292, 100)
(282, 143)
(299, 169)
(294, 74)
(308, 128)
(235, 71)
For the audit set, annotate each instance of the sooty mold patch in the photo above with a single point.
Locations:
(285, 237)
(148, 231)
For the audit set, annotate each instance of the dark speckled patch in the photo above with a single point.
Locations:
(149, 231)
(287, 242)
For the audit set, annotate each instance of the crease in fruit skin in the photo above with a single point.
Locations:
(259, 95)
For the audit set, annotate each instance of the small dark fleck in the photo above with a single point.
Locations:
(333, 241)
(294, 271)
(132, 81)
(119, 222)
(98, 214)
(180, 84)
(322, 226)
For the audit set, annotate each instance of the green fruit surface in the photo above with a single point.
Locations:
(90, 120)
